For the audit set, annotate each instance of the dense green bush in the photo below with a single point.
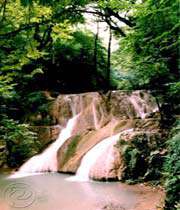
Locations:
(35, 109)
(19, 140)
(172, 168)
(143, 159)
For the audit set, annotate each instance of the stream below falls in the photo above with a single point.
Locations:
(53, 191)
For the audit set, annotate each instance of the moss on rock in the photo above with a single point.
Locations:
(143, 156)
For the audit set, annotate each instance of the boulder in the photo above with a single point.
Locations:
(86, 141)
(46, 134)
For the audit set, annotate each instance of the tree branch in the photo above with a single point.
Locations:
(120, 18)
(4, 10)
(107, 17)
(22, 28)
(113, 27)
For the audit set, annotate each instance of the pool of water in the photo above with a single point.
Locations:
(55, 192)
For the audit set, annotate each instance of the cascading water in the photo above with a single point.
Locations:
(47, 161)
(90, 158)
(80, 107)
(141, 105)
(96, 125)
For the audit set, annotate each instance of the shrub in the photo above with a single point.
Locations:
(172, 169)
(143, 157)
(36, 108)
(19, 140)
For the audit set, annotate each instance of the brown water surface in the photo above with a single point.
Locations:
(54, 192)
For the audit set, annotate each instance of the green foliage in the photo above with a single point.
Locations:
(172, 169)
(36, 109)
(19, 140)
(143, 160)
(75, 57)
(6, 87)
(132, 160)
(149, 52)
(42, 38)
(174, 96)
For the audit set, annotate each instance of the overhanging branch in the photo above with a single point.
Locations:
(22, 28)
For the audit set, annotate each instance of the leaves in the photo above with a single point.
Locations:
(27, 2)
(149, 52)
(172, 169)
(20, 141)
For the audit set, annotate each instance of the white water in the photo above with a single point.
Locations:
(92, 155)
(96, 125)
(141, 105)
(47, 161)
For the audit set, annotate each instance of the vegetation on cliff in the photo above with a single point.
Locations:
(20, 143)
(143, 157)
(172, 169)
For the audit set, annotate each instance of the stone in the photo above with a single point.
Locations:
(100, 116)
(46, 134)
(87, 141)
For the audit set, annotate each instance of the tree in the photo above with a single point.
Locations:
(109, 59)
(150, 50)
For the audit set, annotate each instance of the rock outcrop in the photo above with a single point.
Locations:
(101, 116)
(137, 154)
(90, 119)
(46, 134)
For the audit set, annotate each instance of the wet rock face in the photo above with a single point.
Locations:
(112, 206)
(101, 116)
(95, 110)
(66, 106)
(142, 155)
(46, 134)
(120, 104)
(86, 141)
(137, 104)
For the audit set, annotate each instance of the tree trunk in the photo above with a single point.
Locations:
(96, 53)
(109, 60)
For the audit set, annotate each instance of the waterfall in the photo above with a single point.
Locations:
(92, 155)
(96, 125)
(90, 114)
(47, 161)
(143, 106)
